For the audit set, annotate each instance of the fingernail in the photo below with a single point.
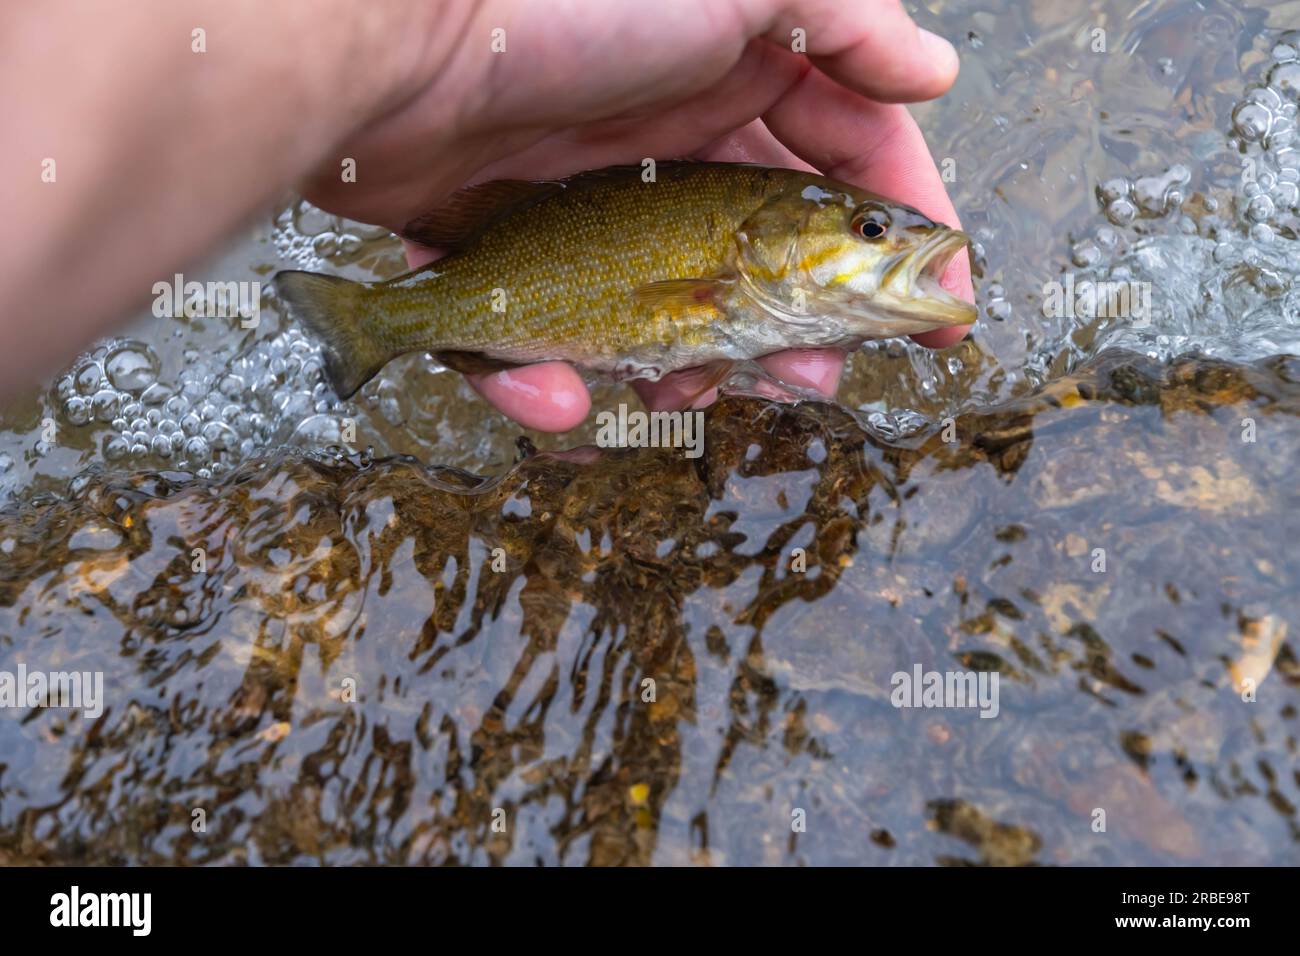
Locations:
(940, 49)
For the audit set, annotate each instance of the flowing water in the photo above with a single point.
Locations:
(391, 630)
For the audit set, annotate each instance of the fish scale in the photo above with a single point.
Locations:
(566, 269)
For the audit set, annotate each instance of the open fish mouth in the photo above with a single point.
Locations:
(920, 273)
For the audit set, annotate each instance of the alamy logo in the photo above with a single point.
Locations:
(637, 429)
(103, 909)
(946, 689)
(83, 690)
(1103, 300)
(212, 300)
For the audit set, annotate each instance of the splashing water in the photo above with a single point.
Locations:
(1202, 217)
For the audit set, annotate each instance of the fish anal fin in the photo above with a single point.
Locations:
(468, 212)
(472, 363)
(685, 388)
(705, 378)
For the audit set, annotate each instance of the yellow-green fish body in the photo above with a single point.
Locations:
(636, 276)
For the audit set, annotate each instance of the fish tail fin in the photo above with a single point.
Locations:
(335, 311)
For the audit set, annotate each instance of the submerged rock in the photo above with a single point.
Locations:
(626, 656)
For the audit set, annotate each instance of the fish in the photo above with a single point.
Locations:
(639, 271)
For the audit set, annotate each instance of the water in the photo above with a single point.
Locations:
(191, 512)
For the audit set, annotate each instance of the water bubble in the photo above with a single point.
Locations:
(220, 436)
(194, 391)
(1252, 121)
(1113, 189)
(1085, 253)
(320, 430)
(1266, 96)
(1106, 238)
(132, 367)
(196, 448)
(1282, 134)
(1261, 232)
(1121, 212)
(310, 221)
(155, 394)
(232, 386)
(1155, 195)
(299, 405)
(1260, 209)
(325, 245)
(105, 403)
(89, 378)
(115, 449)
(77, 410)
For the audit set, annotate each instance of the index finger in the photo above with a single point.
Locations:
(872, 47)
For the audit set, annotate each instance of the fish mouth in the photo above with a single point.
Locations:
(920, 272)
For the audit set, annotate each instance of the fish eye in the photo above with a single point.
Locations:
(872, 224)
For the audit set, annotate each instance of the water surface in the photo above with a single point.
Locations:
(439, 646)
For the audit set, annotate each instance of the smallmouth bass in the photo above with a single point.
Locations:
(709, 264)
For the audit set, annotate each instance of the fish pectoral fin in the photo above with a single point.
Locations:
(678, 294)
(468, 212)
(472, 363)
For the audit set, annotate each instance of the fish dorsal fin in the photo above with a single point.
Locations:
(468, 212)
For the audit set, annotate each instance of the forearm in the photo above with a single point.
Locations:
(122, 169)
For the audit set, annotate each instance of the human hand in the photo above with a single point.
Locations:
(705, 81)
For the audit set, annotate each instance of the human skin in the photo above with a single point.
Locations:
(411, 91)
